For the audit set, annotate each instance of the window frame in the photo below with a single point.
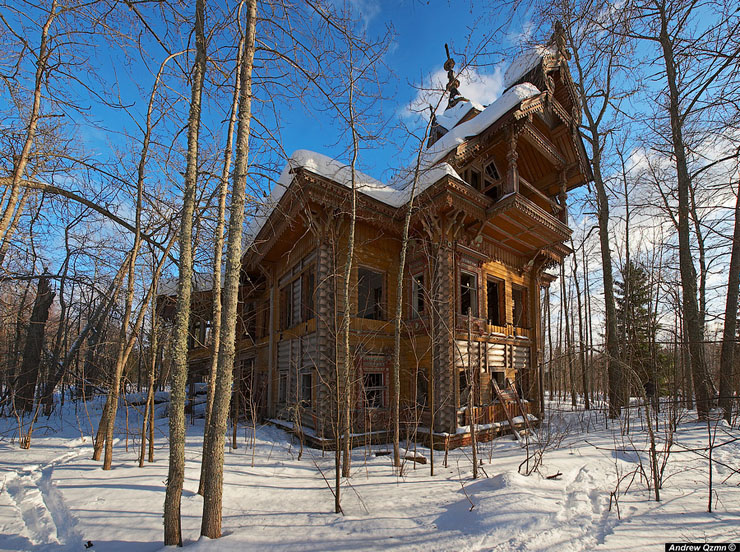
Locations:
(283, 385)
(377, 390)
(500, 301)
(378, 308)
(306, 402)
(524, 323)
(418, 295)
(472, 290)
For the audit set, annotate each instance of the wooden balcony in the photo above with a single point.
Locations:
(526, 220)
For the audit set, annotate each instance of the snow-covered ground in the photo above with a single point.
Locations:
(55, 498)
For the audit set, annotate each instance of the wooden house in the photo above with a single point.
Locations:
(489, 216)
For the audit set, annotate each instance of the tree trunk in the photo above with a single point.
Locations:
(727, 355)
(217, 261)
(691, 314)
(26, 385)
(176, 470)
(346, 316)
(214, 457)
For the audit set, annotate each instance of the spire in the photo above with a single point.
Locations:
(452, 83)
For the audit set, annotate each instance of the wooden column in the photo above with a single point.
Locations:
(511, 185)
(444, 320)
(325, 336)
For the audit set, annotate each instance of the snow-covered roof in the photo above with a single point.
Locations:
(398, 192)
(458, 135)
(395, 194)
(526, 62)
(453, 115)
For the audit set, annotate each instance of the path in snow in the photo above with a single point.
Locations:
(42, 519)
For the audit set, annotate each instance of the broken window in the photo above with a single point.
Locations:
(306, 389)
(374, 389)
(417, 295)
(468, 293)
(494, 294)
(369, 294)
(282, 387)
(519, 306)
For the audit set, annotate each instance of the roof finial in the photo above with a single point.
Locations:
(452, 83)
(558, 38)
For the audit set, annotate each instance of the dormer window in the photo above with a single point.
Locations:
(492, 185)
(492, 171)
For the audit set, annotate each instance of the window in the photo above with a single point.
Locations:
(492, 181)
(519, 306)
(374, 389)
(492, 171)
(307, 291)
(249, 319)
(369, 294)
(286, 307)
(464, 386)
(468, 293)
(282, 387)
(417, 295)
(422, 388)
(263, 319)
(196, 336)
(306, 389)
(475, 179)
(494, 294)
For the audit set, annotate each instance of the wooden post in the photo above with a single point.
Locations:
(512, 174)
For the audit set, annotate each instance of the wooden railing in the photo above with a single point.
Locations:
(509, 331)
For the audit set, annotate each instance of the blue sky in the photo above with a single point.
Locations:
(420, 31)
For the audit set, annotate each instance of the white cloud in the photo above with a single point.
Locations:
(366, 9)
(482, 88)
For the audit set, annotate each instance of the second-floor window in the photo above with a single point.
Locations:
(297, 299)
(370, 296)
(495, 295)
(417, 295)
(519, 306)
(468, 293)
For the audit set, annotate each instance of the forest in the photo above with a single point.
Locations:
(141, 140)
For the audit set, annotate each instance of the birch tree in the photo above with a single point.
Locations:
(176, 470)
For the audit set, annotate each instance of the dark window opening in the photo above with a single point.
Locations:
(306, 389)
(468, 293)
(369, 294)
(464, 386)
(475, 179)
(494, 293)
(282, 387)
(422, 388)
(519, 306)
(249, 318)
(494, 192)
(374, 389)
(417, 295)
(307, 293)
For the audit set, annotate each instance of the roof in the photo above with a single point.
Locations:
(396, 193)
(453, 115)
(526, 62)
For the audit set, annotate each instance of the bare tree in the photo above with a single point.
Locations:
(214, 457)
(176, 471)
